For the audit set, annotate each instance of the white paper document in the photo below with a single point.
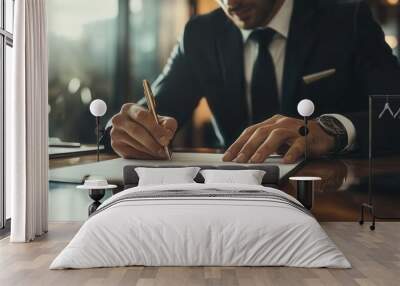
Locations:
(112, 170)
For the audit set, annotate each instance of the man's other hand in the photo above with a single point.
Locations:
(136, 135)
(279, 134)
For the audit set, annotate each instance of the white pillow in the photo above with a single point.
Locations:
(166, 176)
(246, 177)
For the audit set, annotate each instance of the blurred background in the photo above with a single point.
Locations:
(105, 48)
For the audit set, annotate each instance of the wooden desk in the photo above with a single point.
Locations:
(78, 160)
(344, 185)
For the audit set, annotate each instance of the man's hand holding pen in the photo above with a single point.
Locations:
(136, 135)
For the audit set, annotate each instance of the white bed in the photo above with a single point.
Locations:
(221, 225)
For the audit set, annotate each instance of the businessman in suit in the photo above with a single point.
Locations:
(248, 59)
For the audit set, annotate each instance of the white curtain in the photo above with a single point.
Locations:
(27, 124)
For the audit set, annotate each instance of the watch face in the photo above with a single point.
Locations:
(333, 126)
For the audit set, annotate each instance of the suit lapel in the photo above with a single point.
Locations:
(302, 36)
(230, 53)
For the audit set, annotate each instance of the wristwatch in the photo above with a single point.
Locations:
(335, 128)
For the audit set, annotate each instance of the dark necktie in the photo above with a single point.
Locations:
(264, 92)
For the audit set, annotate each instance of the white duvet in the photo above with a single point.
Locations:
(201, 231)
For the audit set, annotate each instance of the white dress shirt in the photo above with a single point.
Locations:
(280, 23)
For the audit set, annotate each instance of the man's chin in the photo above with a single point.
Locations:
(248, 26)
(244, 25)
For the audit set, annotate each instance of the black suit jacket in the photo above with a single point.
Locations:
(208, 62)
(324, 34)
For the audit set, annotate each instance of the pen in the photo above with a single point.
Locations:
(151, 104)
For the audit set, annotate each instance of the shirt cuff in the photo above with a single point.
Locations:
(109, 124)
(350, 129)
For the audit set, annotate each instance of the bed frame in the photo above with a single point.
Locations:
(271, 177)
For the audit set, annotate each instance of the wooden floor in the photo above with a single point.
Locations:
(375, 257)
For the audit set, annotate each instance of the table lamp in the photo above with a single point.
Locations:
(306, 109)
(305, 185)
(98, 108)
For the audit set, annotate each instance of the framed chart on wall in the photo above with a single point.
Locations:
(384, 151)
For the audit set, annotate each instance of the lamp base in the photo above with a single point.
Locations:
(305, 190)
(305, 193)
(372, 212)
(95, 195)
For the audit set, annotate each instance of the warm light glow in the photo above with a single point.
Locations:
(205, 6)
(86, 95)
(202, 114)
(74, 85)
(392, 2)
(392, 41)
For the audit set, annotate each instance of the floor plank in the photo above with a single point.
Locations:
(375, 257)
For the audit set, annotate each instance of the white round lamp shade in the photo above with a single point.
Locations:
(98, 108)
(306, 108)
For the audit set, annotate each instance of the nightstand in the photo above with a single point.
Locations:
(97, 189)
(305, 190)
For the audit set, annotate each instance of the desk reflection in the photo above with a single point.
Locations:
(344, 187)
(338, 197)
